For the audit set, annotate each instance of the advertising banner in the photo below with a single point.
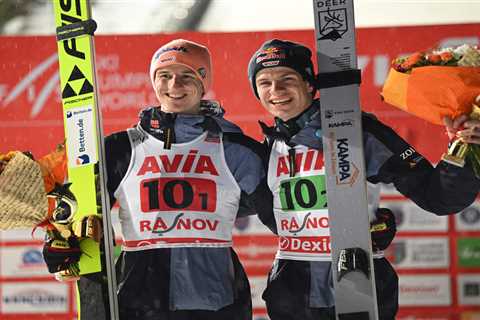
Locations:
(437, 258)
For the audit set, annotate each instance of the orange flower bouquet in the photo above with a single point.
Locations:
(435, 84)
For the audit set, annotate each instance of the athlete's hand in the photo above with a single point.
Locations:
(67, 276)
(464, 127)
(383, 229)
(61, 255)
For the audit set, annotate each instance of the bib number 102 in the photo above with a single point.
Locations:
(173, 194)
(305, 193)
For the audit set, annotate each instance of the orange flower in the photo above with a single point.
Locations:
(414, 60)
(397, 64)
(446, 56)
(434, 58)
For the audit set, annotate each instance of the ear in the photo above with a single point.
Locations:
(311, 89)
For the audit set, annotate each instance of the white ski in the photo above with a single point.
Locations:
(339, 79)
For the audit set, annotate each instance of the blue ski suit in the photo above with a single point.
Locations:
(304, 289)
(188, 282)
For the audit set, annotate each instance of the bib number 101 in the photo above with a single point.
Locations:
(173, 194)
(304, 193)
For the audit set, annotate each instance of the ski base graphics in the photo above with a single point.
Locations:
(338, 81)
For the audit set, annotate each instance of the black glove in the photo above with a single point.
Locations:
(383, 229)
(61, 254)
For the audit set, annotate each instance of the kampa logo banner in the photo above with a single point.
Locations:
(345, 170)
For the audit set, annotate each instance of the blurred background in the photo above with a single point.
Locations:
(437, 258)
(33, 17)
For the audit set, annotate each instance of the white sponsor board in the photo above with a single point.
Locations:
(23, 262)
(256, 250)
(468, 289)
(410, 217)
(468, 219)
(257, 286)
(22, 235)
(419, 252)
(34, 297)
(425, 290)
(250, 225)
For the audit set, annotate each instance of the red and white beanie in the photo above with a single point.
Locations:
(192, 55)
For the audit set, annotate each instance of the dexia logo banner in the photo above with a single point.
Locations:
(305, 244)
(81, 138)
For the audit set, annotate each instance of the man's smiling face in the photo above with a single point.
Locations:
(283, 92)
(178, 89)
